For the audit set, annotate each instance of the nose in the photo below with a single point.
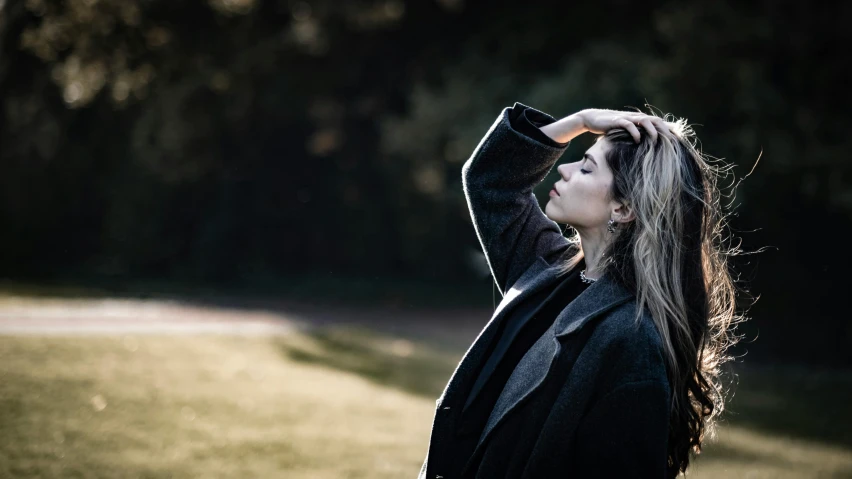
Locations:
(564, 171)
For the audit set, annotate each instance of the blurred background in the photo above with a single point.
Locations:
(235, 242)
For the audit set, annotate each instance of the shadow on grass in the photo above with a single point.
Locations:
(263, 291)
(389, 361)
(755, 459)
(796, 402)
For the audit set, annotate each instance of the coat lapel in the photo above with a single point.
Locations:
(534, 367)
(539, 279)
(536, 277)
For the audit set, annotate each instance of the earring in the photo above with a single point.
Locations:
(611, 226)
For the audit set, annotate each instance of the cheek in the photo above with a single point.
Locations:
(602, 191)
(595, 197)
(591, 190)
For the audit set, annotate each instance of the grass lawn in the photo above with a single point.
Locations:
(335, 404)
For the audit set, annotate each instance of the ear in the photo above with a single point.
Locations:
(624, 213)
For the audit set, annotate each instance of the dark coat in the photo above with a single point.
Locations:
(611, 415)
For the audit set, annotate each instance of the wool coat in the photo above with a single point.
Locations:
(611, 414)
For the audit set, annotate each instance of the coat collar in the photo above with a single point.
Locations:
(600, 297)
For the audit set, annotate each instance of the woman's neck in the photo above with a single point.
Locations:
(592, 247)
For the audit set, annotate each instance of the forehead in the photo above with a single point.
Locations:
(598, 151)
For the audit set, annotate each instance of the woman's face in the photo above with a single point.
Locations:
(581, 198)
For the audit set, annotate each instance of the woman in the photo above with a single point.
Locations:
(602, 359)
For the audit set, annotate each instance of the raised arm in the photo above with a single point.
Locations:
(515, 155)
(498, 181)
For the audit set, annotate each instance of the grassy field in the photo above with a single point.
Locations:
(340, 403)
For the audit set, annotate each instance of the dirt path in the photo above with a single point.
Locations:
(90, 316)
(22, 315)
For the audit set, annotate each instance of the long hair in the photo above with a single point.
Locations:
(674, 258)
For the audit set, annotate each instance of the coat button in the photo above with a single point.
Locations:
(446, 407)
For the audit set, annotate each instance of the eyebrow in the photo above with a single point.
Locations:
(589, 157)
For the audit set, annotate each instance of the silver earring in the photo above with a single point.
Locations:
(611, 226)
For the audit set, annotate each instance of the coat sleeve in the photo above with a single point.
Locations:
(498, 181)
(625, 434)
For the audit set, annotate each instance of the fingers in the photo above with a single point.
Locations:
(630, 127)
(660, 124)
(649, 126)
(630, 121)
(652, 124)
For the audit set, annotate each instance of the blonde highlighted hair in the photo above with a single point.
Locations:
(674, 257)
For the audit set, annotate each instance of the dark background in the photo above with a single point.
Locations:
(313, 150)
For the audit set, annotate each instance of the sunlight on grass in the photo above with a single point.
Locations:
(202, 406)
(330, 404)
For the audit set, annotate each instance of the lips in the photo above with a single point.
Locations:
(553, 190)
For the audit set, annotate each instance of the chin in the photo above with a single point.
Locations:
(554, 217)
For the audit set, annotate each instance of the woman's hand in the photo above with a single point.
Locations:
(600, 121)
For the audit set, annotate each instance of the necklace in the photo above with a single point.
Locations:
(584, 279)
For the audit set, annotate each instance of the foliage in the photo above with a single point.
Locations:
(226, 141)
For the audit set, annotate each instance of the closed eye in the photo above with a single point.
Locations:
(585, 172)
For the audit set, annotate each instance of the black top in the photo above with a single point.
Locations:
(522, 327)
(518, 333)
